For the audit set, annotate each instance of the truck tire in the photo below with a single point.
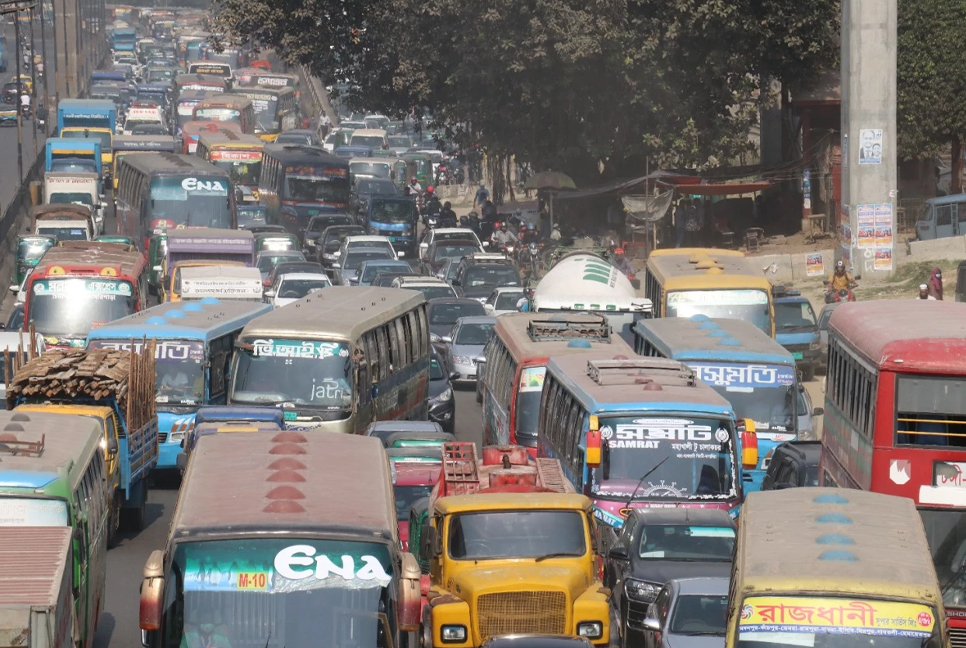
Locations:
(426, 631)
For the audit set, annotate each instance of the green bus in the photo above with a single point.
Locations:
(52, 474)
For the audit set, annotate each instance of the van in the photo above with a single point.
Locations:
(941, 219)
(373, 138)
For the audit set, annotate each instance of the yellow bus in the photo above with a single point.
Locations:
(832, 568)
(684, 282)
(238, 154)
(276, 110)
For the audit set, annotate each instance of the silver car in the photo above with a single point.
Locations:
(465, 344)
(688, 613)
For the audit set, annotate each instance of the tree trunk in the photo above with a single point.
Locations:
(956, 177)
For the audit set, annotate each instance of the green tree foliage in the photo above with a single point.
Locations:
(574, 85)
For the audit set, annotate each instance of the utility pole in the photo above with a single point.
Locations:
(43, 55)
(33, 75)
(19, 81)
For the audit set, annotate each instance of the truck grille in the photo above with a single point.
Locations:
(522, 612)
(957, 637)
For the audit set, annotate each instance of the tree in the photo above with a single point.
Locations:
(931, 78)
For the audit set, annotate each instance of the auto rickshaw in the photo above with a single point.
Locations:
(30, 249)
(276, 242)
(403, 170)
(424, 168)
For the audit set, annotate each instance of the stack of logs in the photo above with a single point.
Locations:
(86, 375)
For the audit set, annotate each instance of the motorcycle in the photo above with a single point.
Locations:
(841, 296)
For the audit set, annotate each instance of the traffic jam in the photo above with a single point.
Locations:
(275, 312)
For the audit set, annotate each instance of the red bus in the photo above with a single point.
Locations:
(82, 284)
(895, 421)
(511, 381)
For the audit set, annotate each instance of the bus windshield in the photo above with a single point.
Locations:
(33, 511)
(309, 187)
(179, 369)
(696, 455)
(393, 212)
(748, 305)
(343, 595)
(190, 201)
(266, 110)
(70, 306)
(309, 373)
(241, 172)
(763, 393)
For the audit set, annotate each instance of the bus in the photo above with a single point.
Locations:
(641, 432)
(239, 155)
(52, 474)
(83, 284)
(161, 191)
(749, 369)
(583, 281)
(718, 283)
(276, 110)
(212, 69)
(185, 106)
(895, 421)
(511, 378)
(338, 359)
(192, 357)
(126, 144)
(831, 569)
(192, 130)
(229, 108)
(205, 82)
(298, 182)
(282, 567)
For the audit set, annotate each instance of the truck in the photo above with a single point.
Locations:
(94, 119)
(78, 188)
(72, 155)
(202, 244)
(118, 387)
(63, 222)
(36, 602)
(512, 549)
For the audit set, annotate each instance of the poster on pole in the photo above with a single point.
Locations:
(865, 219)
(883, 225)
(883, 258)
(870, 146)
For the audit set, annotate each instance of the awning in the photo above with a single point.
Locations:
(717, 189)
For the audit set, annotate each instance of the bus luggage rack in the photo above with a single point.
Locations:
(11, 445)
(641, 370)
(460, 475)
(547, 330)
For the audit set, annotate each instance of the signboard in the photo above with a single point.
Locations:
(299, 349)
(835, 616)
(743, 375)
(96, 286)
(225, 287)
(235, 156)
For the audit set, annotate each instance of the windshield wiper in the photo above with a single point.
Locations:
(558, 554)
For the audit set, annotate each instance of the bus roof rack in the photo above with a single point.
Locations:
(9, 443)
(640, 370)
(547, 330)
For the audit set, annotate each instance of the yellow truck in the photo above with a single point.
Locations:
(512, 550)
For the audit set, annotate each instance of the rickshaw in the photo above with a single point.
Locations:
(424, 168)
(30, 249)
(276, 242)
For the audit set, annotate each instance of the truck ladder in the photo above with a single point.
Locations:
(460, 475)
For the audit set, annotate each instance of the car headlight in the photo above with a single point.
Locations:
(453, 633)
(641, 591)
(462, 360)
(445, 396)
(590, 629)
(176, 436)
(309, 243)
(814, 346)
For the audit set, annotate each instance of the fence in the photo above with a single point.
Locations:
(11, 222)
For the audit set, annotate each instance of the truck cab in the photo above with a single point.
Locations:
(796, 329)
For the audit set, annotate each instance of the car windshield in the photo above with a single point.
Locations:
(406, 496)
(370, 141)
(691, 458)
(763, 393)
(455, 252)
(373, 169)
(794, 316)
(516, 534)
(70, 306)
(333, 241)
(447, 314)
(748, 305)
(507, 300)
(250, 216)
(456, 234)
(372, 269)
(400, 142)
(474, 334)
(298, 288)
(367, 187)
(319, 224)
(402, 211)
(307, 373)
(699, 615)
(686, 542)
(354, 258)
(433, 292)
(490, 274)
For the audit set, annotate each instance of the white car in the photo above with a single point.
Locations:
(443, 233)
(503, 300)
(368, 241)
(431, 287)
(293, 286)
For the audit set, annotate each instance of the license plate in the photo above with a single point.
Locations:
(393, 238)
(797, 355)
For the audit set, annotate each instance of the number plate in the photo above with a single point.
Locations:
(797, 355)
(393, 238)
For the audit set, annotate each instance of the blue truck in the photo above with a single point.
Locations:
(125, 39)
(87, 113)
(73, 154)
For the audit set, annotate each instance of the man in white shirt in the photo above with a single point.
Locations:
(25, 104)
(924, 292)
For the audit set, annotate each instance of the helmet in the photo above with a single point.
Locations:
(503, 225)
(619, 251)
(429, 189)
(447, 205)
(523, 226)
(840, 265)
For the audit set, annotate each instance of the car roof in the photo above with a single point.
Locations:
(713, 586)
(504, 289)
(692, 516)
(476, 319)
(443, 301)
(305, 275)
(451, 230)
(421, 280)
(367, 238)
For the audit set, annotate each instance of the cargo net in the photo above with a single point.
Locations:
(86, 375)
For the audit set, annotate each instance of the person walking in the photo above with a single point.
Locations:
(482, 194)
(924, 292)
(936, 284)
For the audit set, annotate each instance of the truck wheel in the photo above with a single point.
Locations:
(426, 631)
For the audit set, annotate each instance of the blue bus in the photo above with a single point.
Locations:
(194, 348)
(740, 362)
(641, 432)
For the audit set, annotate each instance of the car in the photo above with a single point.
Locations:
(365, 189)
(266, 261)
(442, 403)
(503, 300)
(368, 241)
(448, 270)
(288, 267)
(347, 272)
(443, 233)
(688, 613)
(382, 430)
(439, 251)
(399, 144)
(293, 286)
(431, 287)
(370, 269)
(443, 312)
(349, 152)
(536, 641)
(318, 224)
(792, 464)
(329, 143)
(479, 274)
(329, 244)
(412, 480)
(15, 319)
(823, 317)
(656, 545)
(150, 129)
(464, 345)
(385, 279)
(299, 136)
(796, 329)
(8, 113)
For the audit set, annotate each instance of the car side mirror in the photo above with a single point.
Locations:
(818, 411)
(453, 375)
(15, 289)
(650, 620)
(270, 294)
(446, 339)
(112, 446)
(617, 552)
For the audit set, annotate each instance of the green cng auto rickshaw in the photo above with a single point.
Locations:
(424, 168)
(116, 238)
(29, 251)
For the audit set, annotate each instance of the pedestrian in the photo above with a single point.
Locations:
(482, 194)
(692, 224)
(936, 284)
(680, 216)
(924, 292)
(326, 124)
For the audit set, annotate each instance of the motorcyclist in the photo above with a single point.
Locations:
(414, 188)
(488, 211)
(447, 217)
(501, 236)
(621, 263)
(839, 279)
(432, 205)
(528, 234)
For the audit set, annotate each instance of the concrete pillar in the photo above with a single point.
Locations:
(869, 179)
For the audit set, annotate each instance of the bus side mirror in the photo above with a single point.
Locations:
(410, 598)
(152, 588)
(592, 455)
(749, 444)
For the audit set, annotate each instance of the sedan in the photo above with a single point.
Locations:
(329, 244)
(319, 224)
(369, 270)
(294, 286)
(443, 313)
(438, 252)
(266, 261)
(465, 344)
(347, 272)
(8, 114)
(442, 404)
(688, 613)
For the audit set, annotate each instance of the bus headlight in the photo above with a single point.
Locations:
(453, 633)
(640, 591)
(590, 629)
